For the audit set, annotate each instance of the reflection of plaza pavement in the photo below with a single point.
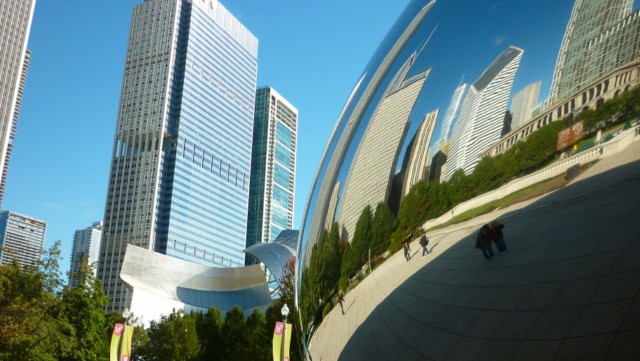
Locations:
(567, 289)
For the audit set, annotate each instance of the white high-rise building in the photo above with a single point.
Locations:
(21, 237)
(482, 114)
(379, 149)
(420, 155)
(523, 103)
(15, 25)
(85, 251)
(452, 112)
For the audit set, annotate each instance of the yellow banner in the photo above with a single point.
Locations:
(277, 341)
(115, 341)
(125, 351)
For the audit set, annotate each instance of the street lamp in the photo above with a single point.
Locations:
(285, 313)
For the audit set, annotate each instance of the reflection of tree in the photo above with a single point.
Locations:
(332, 258)
(356, 256)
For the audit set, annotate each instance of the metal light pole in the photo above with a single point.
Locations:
(285, 313)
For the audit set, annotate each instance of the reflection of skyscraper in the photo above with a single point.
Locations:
(452, 112)
(523, 103)
(334, 159)
(331, 209)
(482, 113)
(15, 17)
(273, 162)
(21, 238)
(179, 181)
(86, 243)
(604, 22)
(419, 155)
(369, 179)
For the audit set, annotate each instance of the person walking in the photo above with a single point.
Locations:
(407, 250)
(340, 300)
(497, 236)
(424, 242)
(483, 241)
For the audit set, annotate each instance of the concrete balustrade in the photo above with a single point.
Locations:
(613, 146)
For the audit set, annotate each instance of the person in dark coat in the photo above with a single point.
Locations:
(340, 300)
(407, 250)
(483, 241)
(424, 241)
(497, 236)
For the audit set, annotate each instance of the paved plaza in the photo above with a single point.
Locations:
(567, 289)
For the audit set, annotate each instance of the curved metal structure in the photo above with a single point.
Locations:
(275, 255)
(363, 163)
(161, 283)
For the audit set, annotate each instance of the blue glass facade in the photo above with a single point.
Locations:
(209, 198)
(179, 181)
(272, 168)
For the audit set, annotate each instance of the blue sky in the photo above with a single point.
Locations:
(311, 52)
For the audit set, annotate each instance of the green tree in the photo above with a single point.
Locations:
(83, 309)
(258, 338)
(357, 255)
(383, 226)
(32, 326)
(173, 337)
(233, 329)
(209, 329)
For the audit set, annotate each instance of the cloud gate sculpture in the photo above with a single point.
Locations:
(364, 162)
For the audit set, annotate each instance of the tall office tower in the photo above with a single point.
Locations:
(15, 17)
(522, 104)
(589, 19)
(21, 237)
(379, 149)
(273, 166)
(179, 180)
(85, 251)
(482, 114)
(418, 157)
(452, 112)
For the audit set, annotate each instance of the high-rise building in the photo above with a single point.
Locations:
(273, 165)
(380, 148)
(418, 157)
(15, 17)
(522, 104)
(452, 112)
(179, 179)
(85, 251)
(21, 237)
(482, 113)
(579, 63)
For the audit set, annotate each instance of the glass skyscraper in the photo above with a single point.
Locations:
(179, 180)
(85, 251)
(590, 21)
(15, 17)
(272, 186)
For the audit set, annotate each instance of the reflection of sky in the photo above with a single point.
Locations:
(470, 35)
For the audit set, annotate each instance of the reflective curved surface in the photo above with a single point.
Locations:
(364, 156)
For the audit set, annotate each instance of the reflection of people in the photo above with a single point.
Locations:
(497, 236)
(407, 250)
(340, 300)
(424, 241)
(483, 241)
